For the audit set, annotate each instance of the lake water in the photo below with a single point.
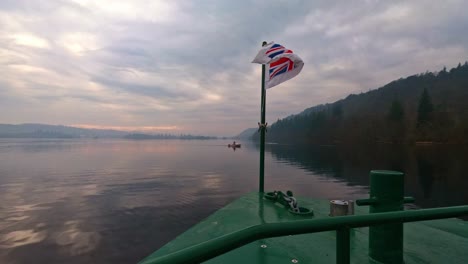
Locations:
(103, 201)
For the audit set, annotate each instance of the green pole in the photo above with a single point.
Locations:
(343, 245)
(386, 192)
(262, 130)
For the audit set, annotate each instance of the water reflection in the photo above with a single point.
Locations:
(103, 201)
(425, 174)
(106, 201)
(21, 237)
(434, 174)
(77, 241)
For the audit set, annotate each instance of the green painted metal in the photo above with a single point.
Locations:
(262, 130)
(252, 218)
(386, 195)
(369, 201)
(343, 245)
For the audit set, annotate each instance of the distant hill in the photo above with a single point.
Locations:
(54, 131)
(247, 134)
(430, 107)
(139, 136)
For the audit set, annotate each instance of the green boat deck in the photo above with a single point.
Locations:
(435, 241)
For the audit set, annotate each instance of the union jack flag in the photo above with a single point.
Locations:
(270, 51)
(275, 50)
(280, 66)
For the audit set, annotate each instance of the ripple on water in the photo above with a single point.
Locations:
(17, 218)
(21, 238)
(78, 242)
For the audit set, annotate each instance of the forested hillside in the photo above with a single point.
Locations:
(424, 107)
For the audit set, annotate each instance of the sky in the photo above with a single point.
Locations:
(184, 66)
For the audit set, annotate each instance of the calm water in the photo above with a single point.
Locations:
(102, 201)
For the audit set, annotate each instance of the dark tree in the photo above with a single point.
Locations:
(425, 108)
(337, 110)
(396, 111)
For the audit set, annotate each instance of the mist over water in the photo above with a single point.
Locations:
(103, 201)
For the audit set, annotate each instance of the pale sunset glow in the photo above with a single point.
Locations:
(30, 40)
(186, 66)
(80, 42)
(152, 129)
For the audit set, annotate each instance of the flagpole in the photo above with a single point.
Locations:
(262, 129)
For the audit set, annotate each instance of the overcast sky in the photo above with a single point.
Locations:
(184, 66)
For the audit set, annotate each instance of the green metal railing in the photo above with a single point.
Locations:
(342, 224)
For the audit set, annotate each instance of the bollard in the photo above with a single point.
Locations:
(339, 208)
(386, 195)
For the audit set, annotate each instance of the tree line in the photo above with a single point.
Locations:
(428, 107)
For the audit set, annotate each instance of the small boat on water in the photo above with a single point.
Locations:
(234, 145)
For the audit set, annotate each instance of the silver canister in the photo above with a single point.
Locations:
(339, 207)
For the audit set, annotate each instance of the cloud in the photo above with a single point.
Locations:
(30, 40)
(187, 63)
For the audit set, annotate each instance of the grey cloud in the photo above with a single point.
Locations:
(129, 51)
(54, 98)
(147, 90)
(347, 46)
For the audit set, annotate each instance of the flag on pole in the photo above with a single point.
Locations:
(268, 52)
(282, 68)
(281, 64)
